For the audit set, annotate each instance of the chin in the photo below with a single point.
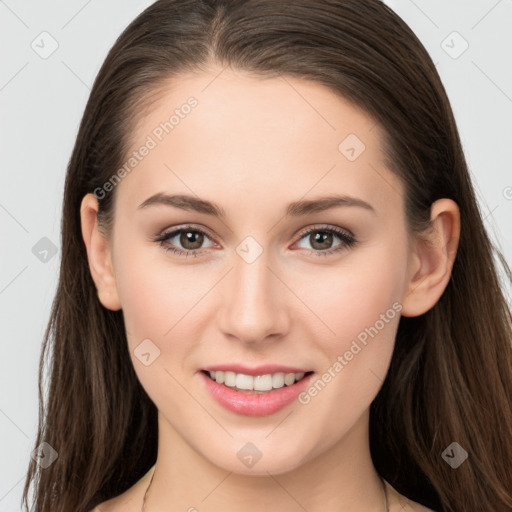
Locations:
(273, 460)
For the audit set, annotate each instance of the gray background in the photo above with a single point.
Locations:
(42, 99)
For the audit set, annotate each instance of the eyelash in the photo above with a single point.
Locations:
(348, 241)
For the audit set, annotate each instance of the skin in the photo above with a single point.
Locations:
(253, 146)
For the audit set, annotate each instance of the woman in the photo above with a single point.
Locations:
(276, 288)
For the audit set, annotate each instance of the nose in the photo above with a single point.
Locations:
(254, 302)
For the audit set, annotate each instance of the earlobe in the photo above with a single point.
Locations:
(432, 259)
(99, 254)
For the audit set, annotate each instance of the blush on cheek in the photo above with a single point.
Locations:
(160, 306)
(361, 313)
(142, 286)
(365, 323)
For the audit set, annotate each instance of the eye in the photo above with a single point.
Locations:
(321, 239)
(190, 238)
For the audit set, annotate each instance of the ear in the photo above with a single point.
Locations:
(432, 259)
(98, 254)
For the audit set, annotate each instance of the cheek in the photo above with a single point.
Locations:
(360, 293)
(155, 298)
(362, 311)
(359, 352)
(155, 294)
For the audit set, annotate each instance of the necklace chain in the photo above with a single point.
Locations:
(146, 493)
(386, 505)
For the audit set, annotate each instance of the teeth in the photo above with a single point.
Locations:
(257, 383)
(230, 379)
(262, 382)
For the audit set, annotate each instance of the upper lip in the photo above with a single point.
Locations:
(258, 370)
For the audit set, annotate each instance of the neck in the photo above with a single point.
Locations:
(339, 478)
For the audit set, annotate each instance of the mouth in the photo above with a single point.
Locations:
(256, 384)
(260, 391)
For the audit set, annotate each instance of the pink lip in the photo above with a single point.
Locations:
(259, 370)
(248, 403)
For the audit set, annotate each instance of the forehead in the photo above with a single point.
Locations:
(268, 139)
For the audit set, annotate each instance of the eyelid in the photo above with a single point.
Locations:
(325, 227)
(191, 227)
(299, 234)
(169, 233)
(345, 235)
(348, 240)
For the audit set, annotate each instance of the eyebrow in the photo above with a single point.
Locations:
(295, 209)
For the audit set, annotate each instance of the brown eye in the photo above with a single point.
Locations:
(184, 241)
(322, 239)
(191, 239)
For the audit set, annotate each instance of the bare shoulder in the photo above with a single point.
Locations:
(399, 503)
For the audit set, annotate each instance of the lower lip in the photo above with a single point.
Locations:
(255, 404)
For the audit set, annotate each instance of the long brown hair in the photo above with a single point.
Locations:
(450, 379)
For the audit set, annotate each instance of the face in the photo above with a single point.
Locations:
(263, 289)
